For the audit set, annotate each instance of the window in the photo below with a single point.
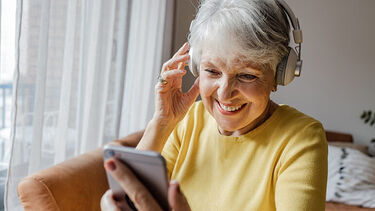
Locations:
(7, 61)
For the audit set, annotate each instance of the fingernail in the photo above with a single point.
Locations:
(111, 165)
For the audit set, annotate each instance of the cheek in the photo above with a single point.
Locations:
(206, 87)
(266, 84)
(257, 92)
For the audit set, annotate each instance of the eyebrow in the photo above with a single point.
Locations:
(241, 64)
(249, 64)
(208, 63)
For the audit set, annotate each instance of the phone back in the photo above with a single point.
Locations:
(148, 166)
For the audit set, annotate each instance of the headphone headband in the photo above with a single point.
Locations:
(297, 36)
(290, 13)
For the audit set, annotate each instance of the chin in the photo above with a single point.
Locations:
(228, 126)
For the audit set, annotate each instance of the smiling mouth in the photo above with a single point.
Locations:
(225, 109)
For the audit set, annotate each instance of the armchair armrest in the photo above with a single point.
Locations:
(75, 184)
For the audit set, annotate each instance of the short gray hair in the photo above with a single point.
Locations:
(257, 30)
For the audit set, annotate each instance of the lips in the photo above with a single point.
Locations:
(229, 109)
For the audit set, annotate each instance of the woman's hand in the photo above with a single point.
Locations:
(137, 192)
(171, 104)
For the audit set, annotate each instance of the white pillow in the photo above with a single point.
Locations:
(351, 177)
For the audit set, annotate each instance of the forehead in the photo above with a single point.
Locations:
(231, 60)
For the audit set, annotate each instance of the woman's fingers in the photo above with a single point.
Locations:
(136, 191)
(176, 198)
(107, 203)
(175, 61)
(182, 50)
(173, 74)
(174, 68)
(172, 78)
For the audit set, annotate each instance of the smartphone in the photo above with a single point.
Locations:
(148, 166)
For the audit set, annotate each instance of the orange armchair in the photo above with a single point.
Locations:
(76, 184)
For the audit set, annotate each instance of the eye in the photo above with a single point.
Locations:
(247, 77)
(212, 71)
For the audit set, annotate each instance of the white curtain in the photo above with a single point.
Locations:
(85, 72)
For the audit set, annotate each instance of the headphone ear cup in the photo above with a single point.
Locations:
(192, 65)
(286, 68)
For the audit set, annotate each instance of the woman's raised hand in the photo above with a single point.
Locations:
(171, 104)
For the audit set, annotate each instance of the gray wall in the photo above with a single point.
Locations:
(338, 76)
(184, 13)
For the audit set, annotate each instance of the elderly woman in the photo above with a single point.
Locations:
(236, 149)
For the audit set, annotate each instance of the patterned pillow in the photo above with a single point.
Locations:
(351, 177)
(361, 148)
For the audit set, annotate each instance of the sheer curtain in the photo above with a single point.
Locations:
(85, 72)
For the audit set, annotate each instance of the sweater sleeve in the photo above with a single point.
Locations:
(302, 174)
(177, 138)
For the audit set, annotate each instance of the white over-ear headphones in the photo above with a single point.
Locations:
(289, 66)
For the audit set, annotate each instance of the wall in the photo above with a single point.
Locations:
(338, 76)
(184, 13)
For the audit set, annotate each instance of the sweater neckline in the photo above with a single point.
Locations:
(252, 133)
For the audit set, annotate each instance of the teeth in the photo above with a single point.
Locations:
(230, 108)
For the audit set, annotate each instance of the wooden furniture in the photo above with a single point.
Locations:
(338, 137)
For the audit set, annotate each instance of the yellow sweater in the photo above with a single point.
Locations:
(280, 165)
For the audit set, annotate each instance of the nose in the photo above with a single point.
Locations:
(226, 89)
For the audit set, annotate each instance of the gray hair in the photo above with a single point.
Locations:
(256, 30)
